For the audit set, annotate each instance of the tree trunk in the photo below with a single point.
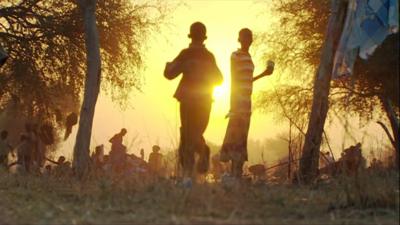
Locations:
(92, 88)
(3, 56)
(290, 156)
(394, 123)
(310, 157)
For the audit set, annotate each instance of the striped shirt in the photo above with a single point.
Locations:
(242, 68)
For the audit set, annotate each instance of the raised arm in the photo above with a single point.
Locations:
(267, 72)
(261, 75)
(112, 139)
(52, 161)
(174, 68)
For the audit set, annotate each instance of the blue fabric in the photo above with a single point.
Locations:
(368, 23)
(394, 13)
(346, 52)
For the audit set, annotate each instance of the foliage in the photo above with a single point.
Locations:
(45, 41)
(296, 43)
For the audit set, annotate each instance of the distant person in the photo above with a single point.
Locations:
(71, 120)
(24, 153)
(117, 139)
(5, 148)
(352, 160)
(97, 157)
(325, 159)
(234, 147)
(47, 170)
(194, 93)
(156, 161)
(142, 154)
(63, 167)
(329, 158)
(118, 151)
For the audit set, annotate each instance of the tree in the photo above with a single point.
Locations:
(44, 76)
(384, 63)
(320, 104)
(297, 48)
(92, 87)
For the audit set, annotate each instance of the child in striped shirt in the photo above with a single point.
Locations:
(234, 147)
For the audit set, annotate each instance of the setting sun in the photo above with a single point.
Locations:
(222, 92)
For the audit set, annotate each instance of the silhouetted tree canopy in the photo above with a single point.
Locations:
(295, 43)
(45, 40)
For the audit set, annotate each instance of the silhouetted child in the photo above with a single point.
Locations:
(63, 167)
(117, 139)
(97, 157)
(142, 154)
(234, 147)
(71, 120)
(118, 151)
(156, 161)
(194, 93)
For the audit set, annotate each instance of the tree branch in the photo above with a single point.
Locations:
(387, 133)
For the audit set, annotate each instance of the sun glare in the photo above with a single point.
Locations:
(221, 92)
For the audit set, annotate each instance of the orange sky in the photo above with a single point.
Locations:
(152, 116)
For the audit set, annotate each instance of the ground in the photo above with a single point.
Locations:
(29, 199)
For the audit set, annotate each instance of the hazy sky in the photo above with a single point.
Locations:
(153, 116)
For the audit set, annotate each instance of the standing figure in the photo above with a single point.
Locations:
(194, 93)
(97, 158)
(142, 153)
(118, 151)
(234, 147)
(156, 161)
(63, 167)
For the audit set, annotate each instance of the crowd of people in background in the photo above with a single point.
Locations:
(26, 157)
(31, 157)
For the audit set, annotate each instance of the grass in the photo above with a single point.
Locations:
(366, 199)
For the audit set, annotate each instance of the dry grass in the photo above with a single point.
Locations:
(367, 199)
